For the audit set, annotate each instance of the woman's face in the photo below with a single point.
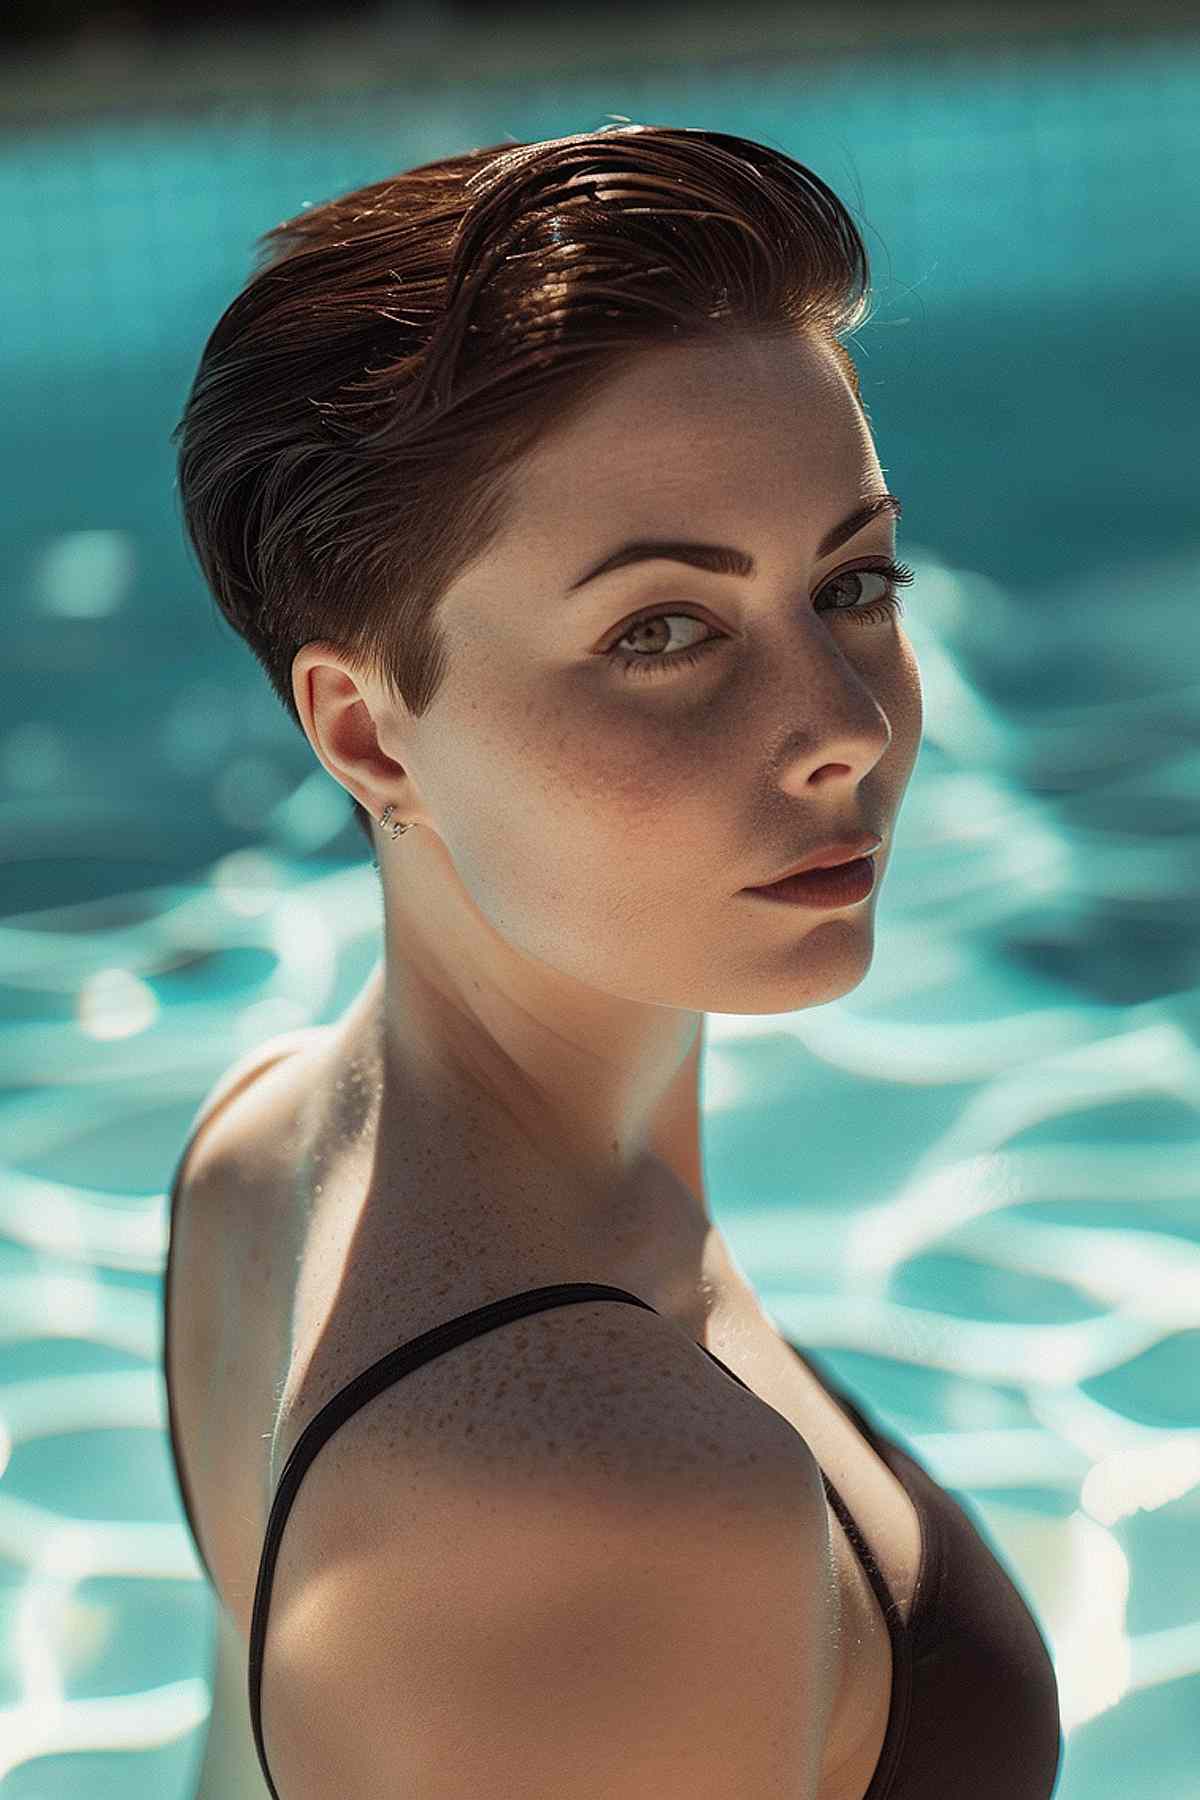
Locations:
(604, 802)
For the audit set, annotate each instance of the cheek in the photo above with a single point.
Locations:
(631, 769)
(604, 807)
(549, 800)
(907, 707)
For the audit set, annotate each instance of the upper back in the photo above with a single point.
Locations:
(567, 1557)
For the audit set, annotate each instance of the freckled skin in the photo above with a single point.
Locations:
(568, 906)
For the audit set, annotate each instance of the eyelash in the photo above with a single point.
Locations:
(889, 606)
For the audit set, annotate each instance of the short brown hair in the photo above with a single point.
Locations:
(353, 431)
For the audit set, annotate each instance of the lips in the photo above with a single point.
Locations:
(843, 851)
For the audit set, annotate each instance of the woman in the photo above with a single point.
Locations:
(539, 481)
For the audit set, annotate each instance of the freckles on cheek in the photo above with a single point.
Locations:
(635, 791)
(618, 770)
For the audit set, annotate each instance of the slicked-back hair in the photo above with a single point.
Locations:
(352, 436)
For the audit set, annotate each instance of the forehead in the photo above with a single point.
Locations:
(752, 419)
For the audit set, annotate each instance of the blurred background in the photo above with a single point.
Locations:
(1004, 1266)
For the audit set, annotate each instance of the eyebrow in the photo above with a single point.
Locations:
(723, 559)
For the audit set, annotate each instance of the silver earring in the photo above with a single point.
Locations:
(397, 828)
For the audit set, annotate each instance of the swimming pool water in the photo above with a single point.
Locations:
(972, 1185)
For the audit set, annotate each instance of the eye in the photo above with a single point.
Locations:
(882, 607)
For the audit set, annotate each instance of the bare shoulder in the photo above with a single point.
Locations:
(578, 1499)
(241, 1072)
(223, 1129)
(561, 1399)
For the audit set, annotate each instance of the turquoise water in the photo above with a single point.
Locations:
(972, 1186)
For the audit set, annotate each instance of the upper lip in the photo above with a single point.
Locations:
(844, 850)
